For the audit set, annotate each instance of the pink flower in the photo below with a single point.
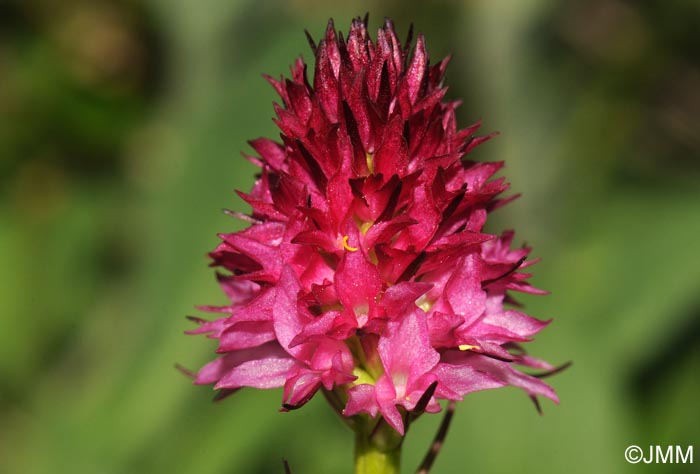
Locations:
(365, 271)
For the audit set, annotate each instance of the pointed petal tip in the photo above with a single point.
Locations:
(185, 371)
(536, 402)
(312, 43)
(224, 393)
(554, 371)
(196, 320)
(330, 30)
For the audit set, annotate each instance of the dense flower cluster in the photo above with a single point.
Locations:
(364, 271)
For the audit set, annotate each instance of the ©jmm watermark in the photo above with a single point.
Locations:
(656, 454)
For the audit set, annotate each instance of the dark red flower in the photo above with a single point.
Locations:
(365, 270)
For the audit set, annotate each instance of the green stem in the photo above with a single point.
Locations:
(377, 452)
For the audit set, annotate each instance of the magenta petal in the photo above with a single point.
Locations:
(386, 398)
(441, 327)
(501, 373)
(238, 291)
(463, 290)
(533, 362)
(392, 155)
(417, 69)
(406, 352)
(459, 380)
(264, 366)
(318, 327)
(514, 325)
(214, 370)
(246, 334)
(361, 399)
(287, 320)
(357, 284)
(263, 373)
(401, 298)
(386, 230)
(258, 309)
(506, 373)
(271, 152)
(299, 388)
(416, 390)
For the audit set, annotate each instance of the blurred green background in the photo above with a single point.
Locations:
(121, 124)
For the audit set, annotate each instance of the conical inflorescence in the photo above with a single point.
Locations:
(365, 271)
